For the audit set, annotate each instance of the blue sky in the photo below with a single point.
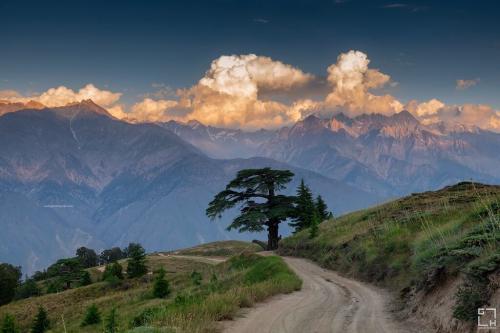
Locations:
(127, 46)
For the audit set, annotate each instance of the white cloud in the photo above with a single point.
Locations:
(62, 95)
(244, 75)
(150, 110)
(240, 91)
(352, 80)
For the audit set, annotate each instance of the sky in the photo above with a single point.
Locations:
(145, 51)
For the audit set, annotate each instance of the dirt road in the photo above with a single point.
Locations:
(326, 303)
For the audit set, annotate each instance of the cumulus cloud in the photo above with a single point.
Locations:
(244, 91)
(244, 75)
(228, 95)
(465, 84)
(62, 95)
(425, 109)
(480, 115)
(352, 80)
(150, 110)
(435, 111)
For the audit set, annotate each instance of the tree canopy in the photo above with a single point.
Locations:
(10, 277)
(88, 257)
(255, 191)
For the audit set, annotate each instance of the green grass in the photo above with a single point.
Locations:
(221, 249)
(191, 307)
(240, 282)
(417, 241)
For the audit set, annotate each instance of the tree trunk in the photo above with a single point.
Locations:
(272, 236)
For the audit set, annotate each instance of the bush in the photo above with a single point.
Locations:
(196, 278)
(111, 324)
(112, 272)
(85, 279)
(28, 289)
(8, 325)
(469, 299)
(113, 281)
(92, 316)
(41, 322)
(161, 288)
(54, 286)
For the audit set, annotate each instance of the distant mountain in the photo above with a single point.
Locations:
(220, 142)
(6, 106)
(386, 155)
(75, 176)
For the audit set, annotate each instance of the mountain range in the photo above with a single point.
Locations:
(388, 156)
(76, 176)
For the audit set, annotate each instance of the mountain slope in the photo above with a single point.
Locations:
(75, 176)
(387, 155)
(438, 250)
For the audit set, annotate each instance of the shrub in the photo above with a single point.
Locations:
(85, 279)
(28, 289)
(469, 299)
(54, 286)
(111, 324)
(196, 278)
(92, 316)
(113, 281)
(9, 325)
(112, 272)
(41, 322)
(161, 288)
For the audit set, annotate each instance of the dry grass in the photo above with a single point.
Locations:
(190, 307)
(402, 241)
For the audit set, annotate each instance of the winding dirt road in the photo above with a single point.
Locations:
(326, 303)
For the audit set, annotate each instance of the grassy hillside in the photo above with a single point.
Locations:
(416, 243)
(222, 248)
(195, 304)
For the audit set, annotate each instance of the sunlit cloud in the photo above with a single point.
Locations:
(62, 95)
(352, 80)
(465, 84)
(246, 91)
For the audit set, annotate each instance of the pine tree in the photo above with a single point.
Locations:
(41, 322)
(314, 229)
(136, 265)
(322, 209)
(92, 316)
(161, 287)
(111, 324)
(9, 325)
(304, 209)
